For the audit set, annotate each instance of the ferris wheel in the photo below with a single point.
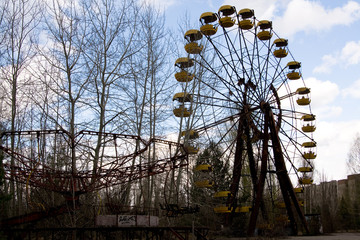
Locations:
(243, 91)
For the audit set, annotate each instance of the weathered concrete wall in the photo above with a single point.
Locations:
(332, 192)
(325, 199)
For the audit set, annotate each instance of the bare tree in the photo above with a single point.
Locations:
(66, 31)
(63, 81)
(109, 42)
(19, 21)
(353, 158)
(148, 89)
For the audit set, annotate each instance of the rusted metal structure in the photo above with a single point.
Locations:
(55, 161)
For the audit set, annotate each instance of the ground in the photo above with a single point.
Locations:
(332, 236)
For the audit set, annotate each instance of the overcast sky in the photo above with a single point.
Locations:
(325, 37)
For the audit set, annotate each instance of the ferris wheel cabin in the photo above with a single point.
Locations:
(280, 51)
(265, 27)
(182, 108)
(308, 123)
(227, 16)
(246, 21)
(192, 36)
(294, 72)
(304, 96)
(202, 176)
(207, 27)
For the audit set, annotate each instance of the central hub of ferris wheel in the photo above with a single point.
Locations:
(242, 90)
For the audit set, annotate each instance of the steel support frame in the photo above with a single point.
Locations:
(286, 186)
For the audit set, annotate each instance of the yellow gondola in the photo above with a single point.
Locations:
(191, 149)
(280, 51)
(294, 73)
(308, 127)
(204, 184)
(222, 194)
(184, 62)
(305, 99)
(183, 97)
(208, 29)
(222, 209)
(308, 144)
(265, 27)
(182, 111)
(225, 12)
(303, 90)
(305, 169)
(192, 134)
(308, 117)
(309, 155)
(306, 181)
(203, 168)
(226, 22)
(206, 19)
(299, 190)
(193, 35)
(193, 48)
(245, 23)
(184, 76)
(243, 209)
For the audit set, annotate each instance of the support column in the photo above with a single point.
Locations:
(286, 186)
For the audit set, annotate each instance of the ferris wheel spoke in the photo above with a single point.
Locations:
(241, 79)
(225, 98)
(251, 56)
(244, 70)
(232, 51)
(225, 63)
(210, 69)
(269, 83)
(218, 122)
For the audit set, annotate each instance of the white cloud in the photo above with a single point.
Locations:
(334, 140)
(308, 16)
(328, 61)
(353, 90)
(348, 55)
(351, 53)
(323, 93)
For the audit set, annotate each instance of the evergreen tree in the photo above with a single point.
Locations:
(220, 177)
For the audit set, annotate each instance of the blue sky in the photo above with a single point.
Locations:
(325, 37)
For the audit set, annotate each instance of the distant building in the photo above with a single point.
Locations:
(338, 202)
